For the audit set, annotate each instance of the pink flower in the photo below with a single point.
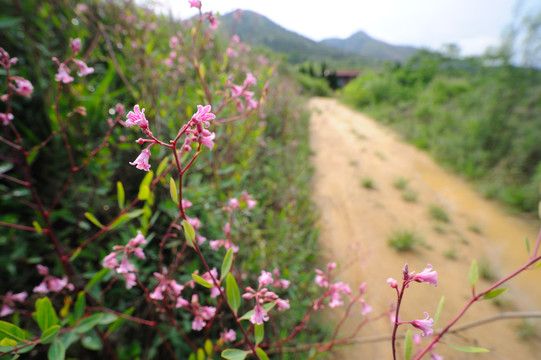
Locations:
(259, 315)
(203, 114)
(427, 275)
(137, 117)
(250, 80)
(366, 308)
(228, 335)
(195, 3)
(110, 261)
(424, 325)
(75, 45)
(63, 74)
(83, 68)
(142, 160)
(24, 87)
(9, 301)
(173, 42)
(207, 139)
(6, 118)
(213, 21)
(392, 283)
(265, 278)
(282, 304)
(51, 283)
(234, 203)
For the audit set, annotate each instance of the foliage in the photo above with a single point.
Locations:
(476, 117)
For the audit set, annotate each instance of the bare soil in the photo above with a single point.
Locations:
(350, 152)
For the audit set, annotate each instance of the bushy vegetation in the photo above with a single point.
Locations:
(262, 152)
(479, 116)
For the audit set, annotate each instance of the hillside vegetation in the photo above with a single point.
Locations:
(478, 118)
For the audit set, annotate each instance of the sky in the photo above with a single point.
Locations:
(471, 24)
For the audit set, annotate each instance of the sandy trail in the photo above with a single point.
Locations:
(356, 222)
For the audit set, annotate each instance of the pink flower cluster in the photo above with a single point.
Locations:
(263, 295)
(202, 313)
(125, 268)
(63, 74)
(51, 283)
(246, 201)
(428, 276)
(18, 84)
(239, 92)
(196, 129)
(168, 289)
(9, 300)
(236, 47)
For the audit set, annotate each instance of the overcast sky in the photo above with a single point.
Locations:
(472, 24)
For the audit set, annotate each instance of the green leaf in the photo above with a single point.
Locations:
(208, 347)
(259, 331)
(232, 292)
(96, 278)
(162, 166)
(45, 314)
(80, 306)
(49, 335)
(144, 192)
(8, 342)
(234, 354)
(93, 220)
(407, 346)
(11, 331)
(57, 351)
(226, 264)
(538, 265)
(119, 321)
(75, 254)
(470, 349)
(261, 354)
(87, 323)
(473, 275)
(189, 233)
(91, 341)
(6, 22)
(125, 218)
(198, 279)
(493, 293)
(120, 194)
(37, 226)
(173, 190)
(107, 318)
(527, 245)
(200, 354)
(438, 310)
(267, 307)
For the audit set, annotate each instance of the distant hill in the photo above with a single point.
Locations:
(363, 45)
(257, 30)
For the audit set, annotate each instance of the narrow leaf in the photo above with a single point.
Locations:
(473, 275)
(234, 354)
(93, 220)
(173, 190)
(208, 347)
(49, 335)
(96, 278)
(232, 292)
(162, 166)
(438, 310)
(408, 346)
(189, 233)
(198, 279)
(471, 349)
(527, 245)
(493, 293)
(120, 194)
(37, 226)
(87, 323)
(261, 354)
(144, 192)
(226, 265)
(57, 351)
(259, 331)
(200, 354)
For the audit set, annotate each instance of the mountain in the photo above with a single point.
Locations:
(363, 45)
(257, 30)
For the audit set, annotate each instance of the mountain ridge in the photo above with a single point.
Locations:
(256, 29)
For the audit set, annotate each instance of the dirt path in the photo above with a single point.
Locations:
(352, 150)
